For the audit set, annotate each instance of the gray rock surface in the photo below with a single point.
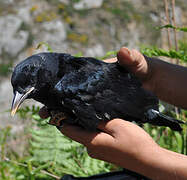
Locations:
(88, 4)
(64, 1)
(95, 51)
(12, 40)
(54, 34)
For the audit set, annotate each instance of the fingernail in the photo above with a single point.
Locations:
(129, 52)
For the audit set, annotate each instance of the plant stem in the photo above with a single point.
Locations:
(167, 22)
(25, 165)
(176, 43)
(174, 24)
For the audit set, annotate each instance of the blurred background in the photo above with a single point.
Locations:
(85, 27)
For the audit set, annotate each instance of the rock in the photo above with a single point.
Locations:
(17, 43)
(7, 1)
(24, 14)
(9, 25)
(64, 1)
(12, 40)
(53, 33)
(95, 51)
(130, 36)
(88, 4)
(154, 17)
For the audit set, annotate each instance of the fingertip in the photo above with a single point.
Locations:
(112, 60)
(124, 56)
(125, 50)
(77, 133)
(71, 131)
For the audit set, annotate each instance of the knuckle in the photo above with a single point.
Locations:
(135, 50)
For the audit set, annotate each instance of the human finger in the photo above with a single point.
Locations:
(77, 133)
(113, 126)
(111, 60)
(85, 137)
(134, 61)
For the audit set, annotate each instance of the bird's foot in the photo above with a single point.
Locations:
(57, 118)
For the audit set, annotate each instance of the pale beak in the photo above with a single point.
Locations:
(18, 99)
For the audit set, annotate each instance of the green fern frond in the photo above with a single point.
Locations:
(154, 51)
(65, 155)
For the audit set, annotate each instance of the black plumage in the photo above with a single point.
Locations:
(86, 90)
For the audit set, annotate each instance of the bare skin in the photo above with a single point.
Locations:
(167, 81)
(124, 143)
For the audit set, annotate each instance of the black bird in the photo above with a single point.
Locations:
(86, 90)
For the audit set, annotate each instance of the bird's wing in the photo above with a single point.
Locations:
(79, 90)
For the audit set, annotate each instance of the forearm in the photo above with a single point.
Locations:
(162, 164)
(168, 82)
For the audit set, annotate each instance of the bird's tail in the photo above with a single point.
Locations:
(156, 118)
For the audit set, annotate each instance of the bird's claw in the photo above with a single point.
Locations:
(57, 118)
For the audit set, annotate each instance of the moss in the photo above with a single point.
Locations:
(33, 8)
(61, 7)
(183, 45)
(68, 20)
(45, 16)
(5, 69)
(39, 18)
(123, 10)
(79, 38)
(75, 1)
(24, 27)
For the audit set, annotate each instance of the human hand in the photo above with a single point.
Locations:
(116, 138)
(129, 146)
(116, 141)
(137, 64)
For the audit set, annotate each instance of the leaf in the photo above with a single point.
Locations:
(46, 45)
(184, 29)
(49, 145)
(154, 51)
(109, 54)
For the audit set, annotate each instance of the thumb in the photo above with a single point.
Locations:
(134, 61)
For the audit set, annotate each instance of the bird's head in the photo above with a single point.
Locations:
(34, 77)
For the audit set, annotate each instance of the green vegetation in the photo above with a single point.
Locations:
(5, 69)
(48, 154)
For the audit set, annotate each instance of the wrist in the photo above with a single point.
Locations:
(144, 159)
(159, 163)
(151, 162)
